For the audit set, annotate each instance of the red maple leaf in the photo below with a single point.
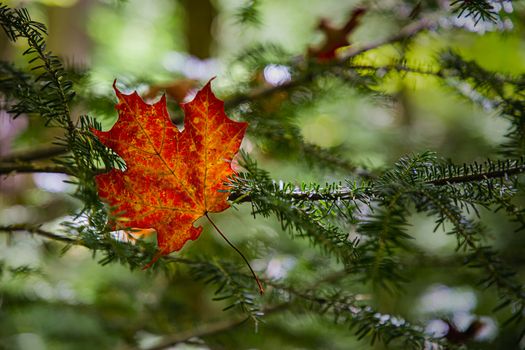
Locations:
(172, 178)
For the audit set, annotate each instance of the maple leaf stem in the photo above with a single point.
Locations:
(259, 284)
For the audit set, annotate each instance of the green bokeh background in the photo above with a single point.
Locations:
(50, 299)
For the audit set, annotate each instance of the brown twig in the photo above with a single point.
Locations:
(34, 154)
(226, 325)
(32, 168)
(38, 231)
(405, 33)
(211, 329)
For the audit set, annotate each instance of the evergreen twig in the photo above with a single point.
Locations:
(34, 154)
(38, 231)
(360, 223)
(211, 329)
(404, 34)
(33, 168)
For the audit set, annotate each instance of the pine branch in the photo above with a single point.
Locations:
(410, 183)
(33, 168)
(38, 231)
(385, 232)
(248, 13)
(396, 67)
(34, 154)
(469, 70)
(12, 80)
(347, 309)
(243, 191)
(18, 24)
(296, 217)
(469, 235)
(511, 168)
(496, 272)
(377, 207)
(405, 33)
(477, 9)
(134, 254)
(211, 329)
(49, 95)
(242, 187)
(493, 90)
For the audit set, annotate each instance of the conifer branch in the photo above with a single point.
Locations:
(54, 71)
(38, 231)
(347, 309)
(469, 234)
(494, 90)
(243, 196)
(241, 193)
(398, 68)
(34, 154)
(434, 174)
(504, 173)
(477, 9)
(33, 168)
(18, 24)
(85, 241)
(211, 329)
(405, 33)
(344, 307)
(374, 208)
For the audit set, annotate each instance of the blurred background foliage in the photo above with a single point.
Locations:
(51, 298)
